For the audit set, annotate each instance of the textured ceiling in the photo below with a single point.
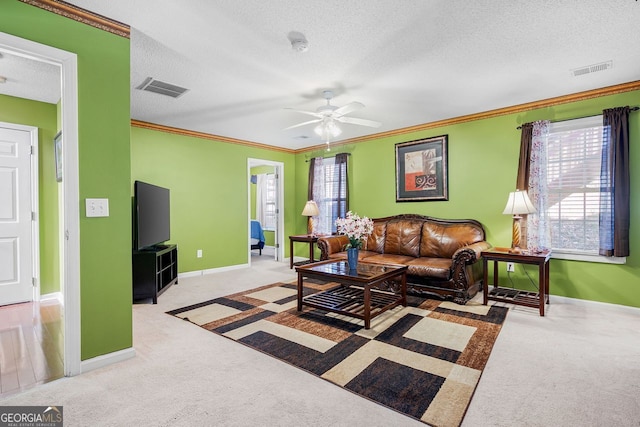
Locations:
(30, 79)
(410, 62)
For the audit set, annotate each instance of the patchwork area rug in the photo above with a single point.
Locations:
(423, 360)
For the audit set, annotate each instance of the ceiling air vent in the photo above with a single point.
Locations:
(592, 68)
(156, 86)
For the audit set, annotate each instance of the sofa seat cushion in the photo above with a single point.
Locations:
(388, 259)
(361, 254)
(438, 268)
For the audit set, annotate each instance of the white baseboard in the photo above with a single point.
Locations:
(212, 270)
(190, 274)
(52, 297)
(228, 268)
(106, 359)
(595, 304)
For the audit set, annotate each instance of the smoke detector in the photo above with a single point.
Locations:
(298, 41)
(300, 45)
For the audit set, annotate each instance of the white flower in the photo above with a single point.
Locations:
(355, 228)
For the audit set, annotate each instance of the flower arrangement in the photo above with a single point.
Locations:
(355, 228)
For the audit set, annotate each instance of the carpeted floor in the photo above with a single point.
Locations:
(423, 360)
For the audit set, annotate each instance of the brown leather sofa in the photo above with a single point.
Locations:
(443, 255)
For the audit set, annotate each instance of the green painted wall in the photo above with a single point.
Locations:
(483, 161)
(209, 193)
(269, 236)
(43, 116)
(104, 163)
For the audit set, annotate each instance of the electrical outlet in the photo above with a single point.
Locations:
(511, 267)
(199, 253)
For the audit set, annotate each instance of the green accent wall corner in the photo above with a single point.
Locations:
(209, 193)
(104, 168)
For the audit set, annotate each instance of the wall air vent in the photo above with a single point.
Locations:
(151, 85)
(592, 68)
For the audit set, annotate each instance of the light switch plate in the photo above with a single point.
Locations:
(97, 207)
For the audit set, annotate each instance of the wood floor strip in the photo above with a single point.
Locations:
(31, 345)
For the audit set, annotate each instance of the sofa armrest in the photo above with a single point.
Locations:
(470, 253)
(331, 244)
(464, 268)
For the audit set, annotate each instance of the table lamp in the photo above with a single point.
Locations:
(310, 210)
(518, 204)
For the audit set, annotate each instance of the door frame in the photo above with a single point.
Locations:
(279, 168)
(70, 258)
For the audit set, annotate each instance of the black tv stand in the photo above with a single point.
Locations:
(155, 269)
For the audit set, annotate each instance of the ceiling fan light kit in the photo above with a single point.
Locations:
(327, 129)
(327, 116)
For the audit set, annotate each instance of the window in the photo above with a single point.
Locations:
(574, 155)
(330, 192)
(576, 194)
(267, 201)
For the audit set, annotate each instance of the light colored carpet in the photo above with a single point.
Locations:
(423, 360)
(577, 366)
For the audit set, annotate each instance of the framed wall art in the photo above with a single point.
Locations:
(57, 149)
(421, 170)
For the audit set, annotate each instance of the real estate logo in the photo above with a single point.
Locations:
(31, 416)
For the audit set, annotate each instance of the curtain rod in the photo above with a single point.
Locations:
(328, 157)
(584, 117)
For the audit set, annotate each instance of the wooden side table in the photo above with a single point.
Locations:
(514, 296)
(305, 238)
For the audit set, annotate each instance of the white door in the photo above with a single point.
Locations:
(16, 271)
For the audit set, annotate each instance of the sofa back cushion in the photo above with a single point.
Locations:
(442, 240)
(403, 237)
(375, 241)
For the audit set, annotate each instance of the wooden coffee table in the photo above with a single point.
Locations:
(355, 297)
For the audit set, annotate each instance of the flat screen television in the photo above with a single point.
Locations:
(152, 215)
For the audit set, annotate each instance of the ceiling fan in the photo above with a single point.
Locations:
(327, 115)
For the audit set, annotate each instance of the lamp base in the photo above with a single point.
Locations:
(515, 235)
(311, 229)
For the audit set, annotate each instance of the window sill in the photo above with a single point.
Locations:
(575, 256)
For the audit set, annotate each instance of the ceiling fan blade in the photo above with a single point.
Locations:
(310, 113)
(303, 124)
(346, 109)
(361, 122)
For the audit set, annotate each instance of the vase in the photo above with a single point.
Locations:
(352, 258)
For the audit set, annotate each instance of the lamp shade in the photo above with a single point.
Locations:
(310, 209)
(519, 204)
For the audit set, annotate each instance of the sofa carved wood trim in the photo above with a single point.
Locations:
(443, 255)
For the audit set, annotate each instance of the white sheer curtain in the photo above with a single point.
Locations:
(538, 231)
(322, 221)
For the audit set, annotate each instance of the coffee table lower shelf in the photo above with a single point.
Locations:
(349, 300)
(515, 296)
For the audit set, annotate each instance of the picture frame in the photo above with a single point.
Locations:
(57, 149)
(421, 170)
